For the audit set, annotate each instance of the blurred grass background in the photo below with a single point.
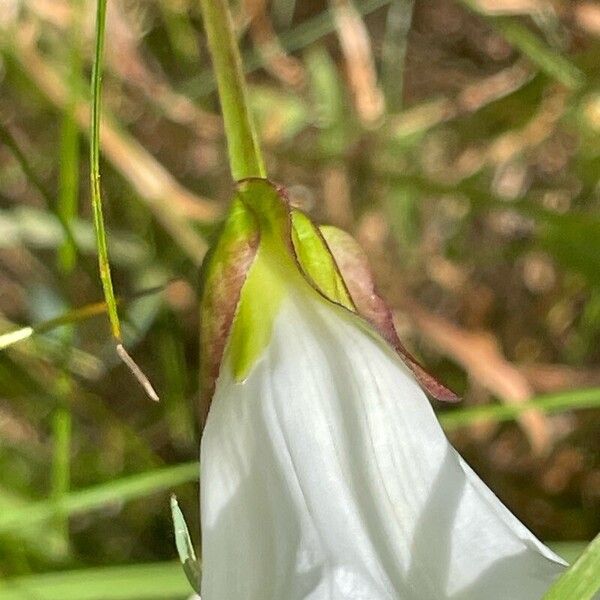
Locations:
(459, 141)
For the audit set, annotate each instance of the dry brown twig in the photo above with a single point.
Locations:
(513, 7)
(336, 195)
(508, 145)
(547, 378)
(360, 65)
(479, 353)
(587, 16)
(472, 98)
(284, 67)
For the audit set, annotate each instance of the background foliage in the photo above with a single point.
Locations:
(460, 146)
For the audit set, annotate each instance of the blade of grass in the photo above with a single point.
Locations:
(102, 244)
(296, 38)
(158, 581)
(518, 35)
(101, 241)
(552, 403)
(69, 145)
(7, 138)
(41, 545)
(185, 548)
(582, 580)
(61, 459)
(245, 157)
(68, 189)
(62, 420)
(120, 491)
(395, 41)
(73, 316)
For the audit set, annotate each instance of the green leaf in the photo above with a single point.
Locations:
(158, 581)
(128, 488)
(101, 241)
(224, 272)
(582, 580)
(552, 403)
(547, 59)
(316, 260)
(268, 279)
(187, 555)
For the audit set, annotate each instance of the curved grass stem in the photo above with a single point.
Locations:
(101, 242)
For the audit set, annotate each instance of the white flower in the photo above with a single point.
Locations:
(326, 476)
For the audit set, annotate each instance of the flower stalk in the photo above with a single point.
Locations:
(245, 157)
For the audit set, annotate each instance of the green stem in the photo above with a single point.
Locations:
(245, 157)
(69, 145)
(102, 244)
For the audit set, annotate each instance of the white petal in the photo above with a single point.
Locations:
(326, 476)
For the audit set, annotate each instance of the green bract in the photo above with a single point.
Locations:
(267, 250)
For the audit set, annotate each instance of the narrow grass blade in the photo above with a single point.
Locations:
(61, 456)
(395, 42)
(518, 35)
(552, 403)
(69, 145)
(76, 502)
(158, 581)
(582, 580)
(102, 244)
(75, 315)
(101, 241)
(185, 548)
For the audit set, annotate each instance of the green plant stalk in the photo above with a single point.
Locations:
(69, 183)
(62, 420)
(518, 35)
(550, 403)
(245, 157)
(69, 146)
(146, 581)
(79, 501)
(62, 423)
(552, 63)
(395, 42)
(581, 580)
(62, 447)
(72, 316)
(101, 242)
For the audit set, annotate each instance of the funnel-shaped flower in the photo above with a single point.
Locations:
(324, 472)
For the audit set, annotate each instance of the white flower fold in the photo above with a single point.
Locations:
(326, 476)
